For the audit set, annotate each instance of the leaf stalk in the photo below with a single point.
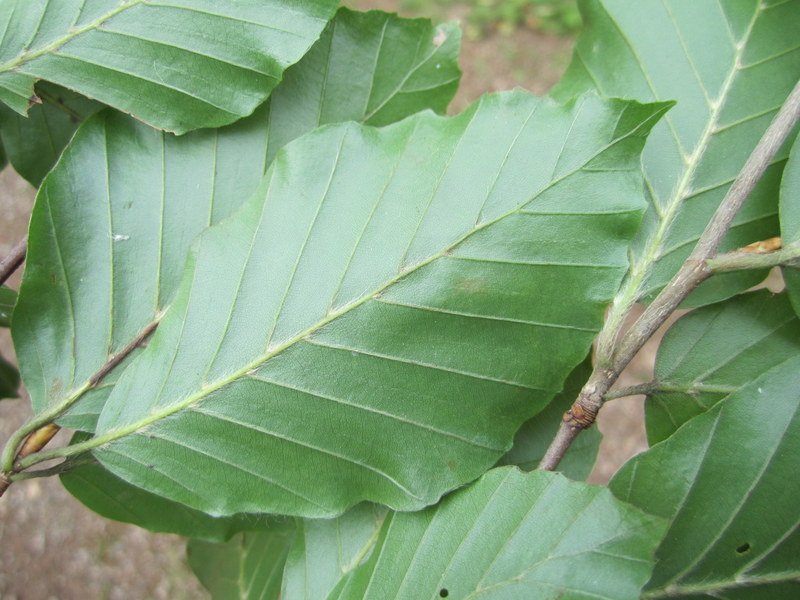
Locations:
(737, 261)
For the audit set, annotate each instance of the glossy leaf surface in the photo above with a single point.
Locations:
(347, 323)
(35, 142)
(248, 567)
(512, 535)
(790, 221)
(712, 352)
(730, 65)
(178, 66)
(130, 232)
(722, 482)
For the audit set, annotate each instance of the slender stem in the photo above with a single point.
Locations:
(694, 271)
(642, 389)
(62, 467)
(8, 461)
(39, 421)
(737, 261)
(14, 259)
(656, 387)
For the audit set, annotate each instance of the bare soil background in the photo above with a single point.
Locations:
(52, 548)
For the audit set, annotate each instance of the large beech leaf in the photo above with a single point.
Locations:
(35, 142)
(128, 236)
(178, 66)
(511, 535)
(248, 567)
(790, 221)
(730, 65)
(381, 316)
(722, 482)
(712, 352)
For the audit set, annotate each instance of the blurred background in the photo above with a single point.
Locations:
(52, 548)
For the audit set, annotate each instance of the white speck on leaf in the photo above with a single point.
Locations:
(760, 390)
(118, 237)
(439, 39)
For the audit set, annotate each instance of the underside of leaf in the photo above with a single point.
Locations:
(383, 314)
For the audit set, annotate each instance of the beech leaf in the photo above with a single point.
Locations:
(178, 66)
(339, 322)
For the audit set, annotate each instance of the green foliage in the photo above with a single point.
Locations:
(733, 525)
(332, 301)
(712, 352)
(179, 66)
(715, 60)
(371, 405)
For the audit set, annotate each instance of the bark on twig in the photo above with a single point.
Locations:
(694, 271)
(14, 259)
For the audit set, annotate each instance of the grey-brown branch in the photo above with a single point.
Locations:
(11, 263)
(692, 273)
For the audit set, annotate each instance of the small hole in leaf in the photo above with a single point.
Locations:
(743, 548)
(443, 593)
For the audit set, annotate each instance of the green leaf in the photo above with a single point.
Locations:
(320, 555)
(248, 567)
(181, 66)
(113, 498)
(325, 551)
(790, 221)
(730, 65)
(9, 379)
(380, 314)
(127, 266)
(370, 67)
(533, 438)
(512, 535)
(8, 298)
(722, 481)
(712, 352)
(34, 143)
